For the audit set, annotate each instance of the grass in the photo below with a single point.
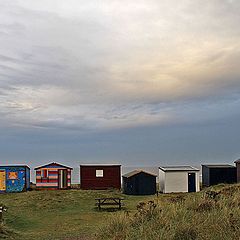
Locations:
(46, 215)
(211, 214)
(70, 215)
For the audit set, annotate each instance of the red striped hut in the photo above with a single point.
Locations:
(53, 176)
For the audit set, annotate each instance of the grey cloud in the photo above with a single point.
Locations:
(78, 62)
(144, 83)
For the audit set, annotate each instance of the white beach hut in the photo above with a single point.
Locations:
(178, 179)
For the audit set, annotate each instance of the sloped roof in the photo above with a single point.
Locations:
(237, 161)
(178, 168)
(218, 165)
(137, 171)
(52, 163)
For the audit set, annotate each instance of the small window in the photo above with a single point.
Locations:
(12, 175)
(99, 173)
(44, 173)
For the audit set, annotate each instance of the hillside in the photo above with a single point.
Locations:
(45, 215)
(211, 214)
(70, 215)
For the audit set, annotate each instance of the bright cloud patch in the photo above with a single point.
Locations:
(110, 64)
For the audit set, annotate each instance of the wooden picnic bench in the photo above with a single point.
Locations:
(110, 201)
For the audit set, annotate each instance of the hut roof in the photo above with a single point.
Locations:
(218, 166)
(178, 168)
(101, 165)
(52, 163)
(135, 172)
(15, 166)
(237, 161)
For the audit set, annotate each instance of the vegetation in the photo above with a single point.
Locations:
(70, 215)
(211, 214)
(63, 215)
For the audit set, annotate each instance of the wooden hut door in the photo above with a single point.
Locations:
(62, 178)
(191, 182)
(2, 180)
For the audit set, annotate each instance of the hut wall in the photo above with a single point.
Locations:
(161, 181)
(222, 175)
(205, 176)
(238, 172)
(147, 184)
(139, 184)
(197, 181)
(51, 178)
(176, 182)
(16, 178)
(111, 177)
(27, 178)
(128, 186)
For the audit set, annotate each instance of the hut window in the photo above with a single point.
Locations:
(99, 173)
(44, 173)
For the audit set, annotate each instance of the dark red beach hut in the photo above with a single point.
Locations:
(102, 176)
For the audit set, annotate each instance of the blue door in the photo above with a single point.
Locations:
(191, 182)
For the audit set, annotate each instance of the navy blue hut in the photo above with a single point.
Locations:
(213, 174)
(139, 182)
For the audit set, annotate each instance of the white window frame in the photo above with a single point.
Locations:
(99, 173)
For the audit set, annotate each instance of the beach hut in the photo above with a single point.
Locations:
(139, 182)
(100, 176)
(178, 179)
(237, 162)
(53, 176)
(213, 174)
(14, 178)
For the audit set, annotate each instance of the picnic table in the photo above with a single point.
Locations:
(110, 201)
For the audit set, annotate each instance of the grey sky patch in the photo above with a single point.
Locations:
(81, 68)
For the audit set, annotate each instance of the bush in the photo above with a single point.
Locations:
(185, 234)
(116, 228)
(205, 205)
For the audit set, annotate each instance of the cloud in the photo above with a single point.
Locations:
(110, 64)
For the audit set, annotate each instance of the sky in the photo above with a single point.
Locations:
(141, 83)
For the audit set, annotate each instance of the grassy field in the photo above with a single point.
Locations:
(70, 215)
(67, 214)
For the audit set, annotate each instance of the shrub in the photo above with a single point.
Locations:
(229, 191)
(5, 233)
(116, 227)
(205, 205)
(177, 199)
(183, 217)
(211, 195)
(185, 234)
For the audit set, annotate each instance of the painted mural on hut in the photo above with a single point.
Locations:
(14, 178)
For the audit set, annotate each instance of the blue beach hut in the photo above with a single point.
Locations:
(15, 178)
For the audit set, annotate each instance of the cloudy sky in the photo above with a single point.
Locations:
(142, 83)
